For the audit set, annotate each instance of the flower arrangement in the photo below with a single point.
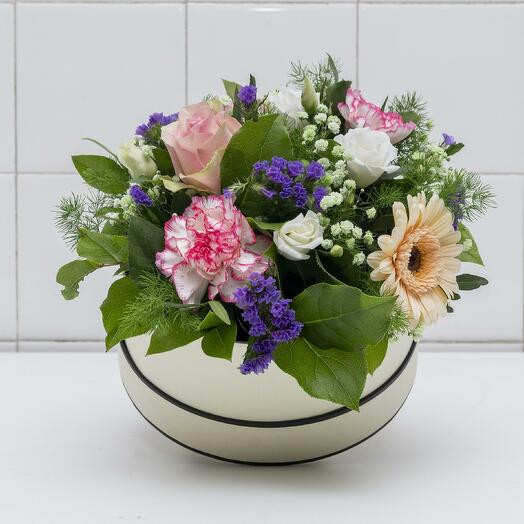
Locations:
(308, 222)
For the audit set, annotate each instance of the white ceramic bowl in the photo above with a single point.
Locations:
(205, 404)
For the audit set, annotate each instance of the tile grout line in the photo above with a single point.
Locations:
(186, 52)
(522, 269)
(17, 274)
(357, 45)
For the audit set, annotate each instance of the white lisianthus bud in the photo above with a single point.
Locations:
(297, 237)
(138, 163)
(309, 97)
(336, 251)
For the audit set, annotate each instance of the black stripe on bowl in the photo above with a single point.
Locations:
(271, 423)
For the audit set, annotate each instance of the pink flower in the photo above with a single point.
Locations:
(196, 143)
(360, 113)
(206, 248)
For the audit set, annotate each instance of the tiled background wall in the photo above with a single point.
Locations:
(75, 69)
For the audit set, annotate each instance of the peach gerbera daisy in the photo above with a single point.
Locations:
(417, 262)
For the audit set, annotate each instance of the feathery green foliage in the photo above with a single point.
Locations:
(384, 195)
(322, 74)
(77, 212)
(156, 306)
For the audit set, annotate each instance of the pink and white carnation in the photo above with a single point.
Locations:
(210, 247)
(358, 112)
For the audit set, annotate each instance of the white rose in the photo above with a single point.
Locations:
(299, 236)
(371, 154)
(137, 162)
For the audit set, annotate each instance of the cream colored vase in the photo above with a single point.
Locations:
(205, 404)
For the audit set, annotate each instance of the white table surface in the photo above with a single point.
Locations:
(74, 450)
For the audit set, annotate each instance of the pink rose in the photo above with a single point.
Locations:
(196, 143)
(210, 247)
(360, 113)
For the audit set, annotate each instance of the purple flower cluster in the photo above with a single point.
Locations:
(290, 180)
(140, 197)
(155, 120)
(271, 321)
(247, 94)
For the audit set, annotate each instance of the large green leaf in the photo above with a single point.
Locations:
(342, 317)
(145, 241)
(329, 374)
(173, 337)
(72, 274)
(469, 282)
(102, 173)
(218, 341)
(121, 293)
(472, 254)
(375, 355)
(102, 248)
(260, 140)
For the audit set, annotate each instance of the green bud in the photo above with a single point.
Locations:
(336, 251)
(309, 97)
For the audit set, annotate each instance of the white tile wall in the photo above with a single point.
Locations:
(87, 68)
(7, 89)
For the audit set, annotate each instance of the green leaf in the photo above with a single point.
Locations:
(260, 225)
(102, 248)
(145, 241)
(72, 274)
(329, 374)
(332, 66)
(375, 355)
(260, 140)
(472, 254)
(220, 311)
(218, 342)
(210, 321)
(454, 148)
(102, 173)
(175, 336)
(336, 93)
(342, 317)
(163, 161)
(121, 293)
(231, 88)
(468, 282)
(340, 269)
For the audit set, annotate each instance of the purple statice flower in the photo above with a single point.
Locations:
(279, 163)
(155, 120)
(228, 193)
(448, 139)
(300, 194)
(271, 321)
(287, 192)
(315, 171)
(257, 364)
(295, 168)
(140, 197)
(277, 176)
(263, 165)
(318, 194)
(247, 94)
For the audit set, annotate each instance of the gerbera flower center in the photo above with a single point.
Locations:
(418, 261)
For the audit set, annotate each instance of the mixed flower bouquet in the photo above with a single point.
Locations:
(309, 223)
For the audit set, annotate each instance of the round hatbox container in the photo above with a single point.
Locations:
(206, 405)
